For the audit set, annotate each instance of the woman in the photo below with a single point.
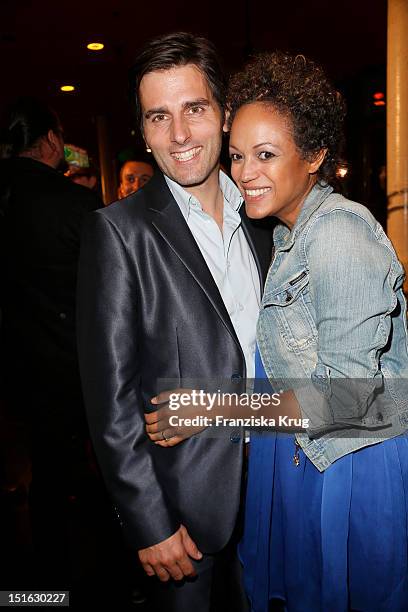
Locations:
(327, 509)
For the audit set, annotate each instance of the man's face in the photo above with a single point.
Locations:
(133, 176)
(182, 123)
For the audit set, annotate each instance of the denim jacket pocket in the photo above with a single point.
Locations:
(289, 305)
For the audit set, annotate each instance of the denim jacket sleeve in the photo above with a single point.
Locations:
(351, 289)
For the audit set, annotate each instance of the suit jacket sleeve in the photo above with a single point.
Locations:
(109, 359)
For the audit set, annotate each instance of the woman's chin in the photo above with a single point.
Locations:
(256, 212)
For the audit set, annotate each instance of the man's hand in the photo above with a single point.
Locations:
(171, 558)
(158, 427)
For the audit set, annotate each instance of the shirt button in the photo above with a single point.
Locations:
(62, 315)
(240, 307)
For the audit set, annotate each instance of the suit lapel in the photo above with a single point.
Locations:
(171, 225)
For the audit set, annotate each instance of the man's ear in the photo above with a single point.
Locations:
(317, 161)
(52, 140)
(148, 149)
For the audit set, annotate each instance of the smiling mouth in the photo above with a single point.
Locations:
(186, 156)
(256, 193)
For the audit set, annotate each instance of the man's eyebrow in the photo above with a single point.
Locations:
(162, 110)
(155, 111)
(198, 102)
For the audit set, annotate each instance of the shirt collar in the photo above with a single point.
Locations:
(282, 234)
(185, 200)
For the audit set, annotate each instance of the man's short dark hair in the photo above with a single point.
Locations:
(26, 121)
(179, 49)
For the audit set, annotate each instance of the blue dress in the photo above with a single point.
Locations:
(331, 541)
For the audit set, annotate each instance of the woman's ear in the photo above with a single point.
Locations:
(317, 161)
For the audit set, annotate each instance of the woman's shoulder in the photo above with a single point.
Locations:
(346, 209)
(343, 220)
(341, 226)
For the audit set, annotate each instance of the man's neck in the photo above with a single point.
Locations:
(210, 196)
(36, 155)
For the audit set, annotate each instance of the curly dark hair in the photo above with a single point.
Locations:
(299, 89)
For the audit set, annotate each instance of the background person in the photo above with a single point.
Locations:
(41, 215)
(87, 177)
(133, 175)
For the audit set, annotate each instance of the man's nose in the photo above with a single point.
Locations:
(180, 131)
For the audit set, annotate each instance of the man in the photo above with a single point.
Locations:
(133, 176)
(41, 214)
(169, 287)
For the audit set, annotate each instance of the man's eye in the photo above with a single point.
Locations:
(195, 110)
(235, 157)
(265, 155)
(158, 118)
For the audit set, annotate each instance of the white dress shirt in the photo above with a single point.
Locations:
(229, 259)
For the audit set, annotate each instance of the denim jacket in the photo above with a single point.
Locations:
(333, 327)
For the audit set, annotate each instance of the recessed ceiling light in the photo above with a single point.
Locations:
(67, 88)
(95, 46)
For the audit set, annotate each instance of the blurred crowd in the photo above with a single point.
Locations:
(57, 526)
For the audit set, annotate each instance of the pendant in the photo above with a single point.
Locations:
(296, 458)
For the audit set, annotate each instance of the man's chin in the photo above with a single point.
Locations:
(193, 179)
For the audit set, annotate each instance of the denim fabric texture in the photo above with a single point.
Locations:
(333, 326)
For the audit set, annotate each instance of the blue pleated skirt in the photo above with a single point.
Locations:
(326, 542)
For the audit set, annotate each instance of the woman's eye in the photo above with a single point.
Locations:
(265, 155)
(235, 157)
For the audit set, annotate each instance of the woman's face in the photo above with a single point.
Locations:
(268, 168)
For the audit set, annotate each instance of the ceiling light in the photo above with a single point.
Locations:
(95, 46)
(341, 171)
(67, 88)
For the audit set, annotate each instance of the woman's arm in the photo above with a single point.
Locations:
(352, 299)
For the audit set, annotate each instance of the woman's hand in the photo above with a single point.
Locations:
(171, 423)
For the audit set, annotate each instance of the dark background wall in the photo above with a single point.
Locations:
(43, 45)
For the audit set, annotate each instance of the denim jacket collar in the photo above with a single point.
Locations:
(284, 237)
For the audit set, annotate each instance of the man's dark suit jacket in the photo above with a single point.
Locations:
(41, 215)
(148, 308)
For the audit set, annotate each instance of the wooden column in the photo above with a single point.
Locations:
(397, 128)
